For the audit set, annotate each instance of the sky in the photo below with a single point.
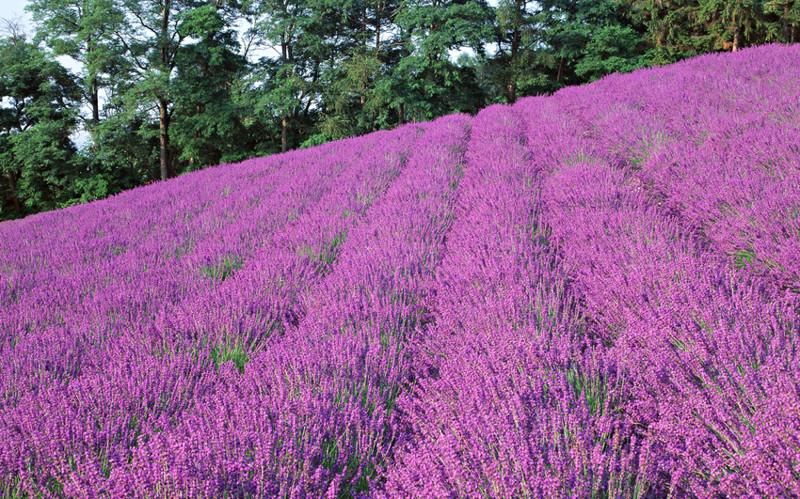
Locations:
(15, 10)
(11, 9)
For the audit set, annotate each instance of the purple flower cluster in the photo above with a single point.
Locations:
(595, 293)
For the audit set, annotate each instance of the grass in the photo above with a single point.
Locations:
(327, 255)
(226, 353)
(743, 258)
(223, 269)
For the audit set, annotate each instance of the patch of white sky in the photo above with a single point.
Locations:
(14, 10)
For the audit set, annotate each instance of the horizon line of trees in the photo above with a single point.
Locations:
(170, 86)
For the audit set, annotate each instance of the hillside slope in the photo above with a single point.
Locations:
(588, 294)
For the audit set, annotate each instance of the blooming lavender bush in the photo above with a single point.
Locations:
(592, 294)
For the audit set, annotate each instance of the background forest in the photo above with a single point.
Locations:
(170, 86)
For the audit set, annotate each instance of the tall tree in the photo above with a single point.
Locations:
(38, 99)
(363, 46)
(209, 121)
(673, 28)
(783, 22)
(152, 37)
(590, 38)
(733, 22)
(432, 30)
(83, 30)
(286, 81)
(516, 34)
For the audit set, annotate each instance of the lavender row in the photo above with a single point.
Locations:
(706, 355)
(742, 192)
(311, 414)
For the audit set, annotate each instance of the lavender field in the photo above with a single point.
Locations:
(591, 294)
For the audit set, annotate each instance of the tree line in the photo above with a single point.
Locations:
(170, 86)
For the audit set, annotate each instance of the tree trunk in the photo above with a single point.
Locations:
(12, 184)
(560, 70)
(94, 89)
(163, 125)
(94, 96)
(95, 102)
(377, 29)
(737, 37)
(785, 21)
(163, 103)
(401, 111)
(285, 134)
(511, 91)
(164, 36)
(363, 95)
